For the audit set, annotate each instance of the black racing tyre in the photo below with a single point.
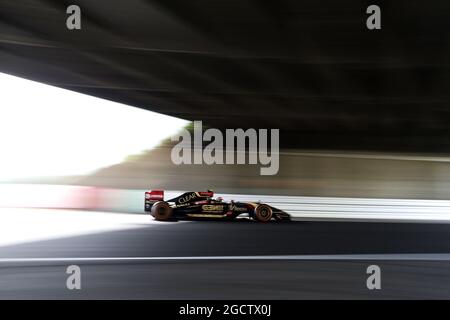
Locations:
(263, 213)
(161, 211)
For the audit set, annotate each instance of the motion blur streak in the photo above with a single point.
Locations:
(30, 225)
(328, 208)
(300, 208)
(335, 257)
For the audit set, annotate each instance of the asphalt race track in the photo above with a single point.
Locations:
(233, 260)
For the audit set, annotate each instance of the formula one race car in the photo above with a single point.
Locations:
(202, 205)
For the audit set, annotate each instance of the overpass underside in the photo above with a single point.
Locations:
(310, 68)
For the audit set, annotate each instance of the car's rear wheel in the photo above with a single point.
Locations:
(263, 213)
(161, 211)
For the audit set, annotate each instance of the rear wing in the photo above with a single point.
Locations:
(155, 195)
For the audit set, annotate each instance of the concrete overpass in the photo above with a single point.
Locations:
(310, 67)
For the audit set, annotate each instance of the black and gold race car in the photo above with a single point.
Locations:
(197, 205)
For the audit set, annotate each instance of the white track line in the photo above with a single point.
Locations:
(342, 257)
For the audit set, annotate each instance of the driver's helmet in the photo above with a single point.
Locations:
(219, 199)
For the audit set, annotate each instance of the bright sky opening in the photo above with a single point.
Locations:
(48, 131)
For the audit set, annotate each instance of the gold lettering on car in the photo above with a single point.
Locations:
(208, 207)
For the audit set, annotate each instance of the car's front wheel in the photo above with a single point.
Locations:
(263, 213)
(161, 211)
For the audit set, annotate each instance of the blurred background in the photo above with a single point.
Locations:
(362, 113)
